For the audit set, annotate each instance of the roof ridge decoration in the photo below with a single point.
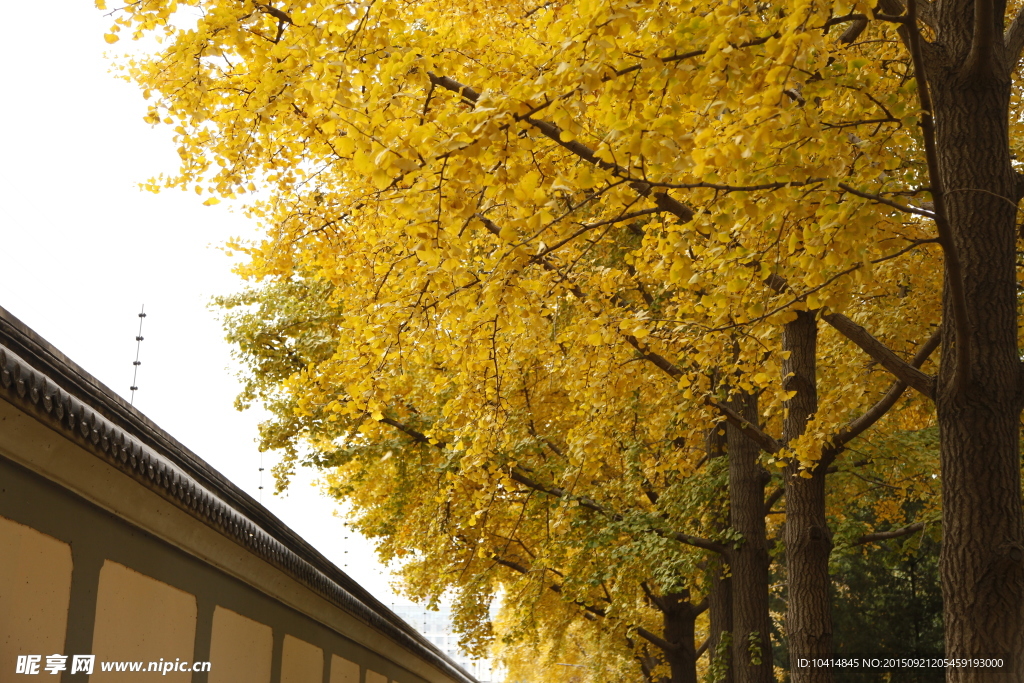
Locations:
(30, 388)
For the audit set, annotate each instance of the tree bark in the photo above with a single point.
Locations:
(751, 640)
(807, 536)
(720, 590)
(982, 559)
(720, 593)
(720, 618)
(679, 616)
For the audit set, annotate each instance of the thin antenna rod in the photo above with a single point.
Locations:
(138, 349)
(261, 477)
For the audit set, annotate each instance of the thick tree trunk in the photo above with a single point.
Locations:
(679, 616)
(751, 639)
(808, 539)
(982, 561)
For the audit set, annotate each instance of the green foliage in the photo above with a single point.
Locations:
(888, 601)
(720, 659)
(754, 650)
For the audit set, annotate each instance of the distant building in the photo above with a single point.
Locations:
(437, 627)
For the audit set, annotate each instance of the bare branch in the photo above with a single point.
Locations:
(750, 430)
(852, 33)
(654, 639)
(902, 370)
(905, 372)
(877, 411)
(741, 188)
(450, 84)
(586, 227)
(418, 436)
(887, 202)
(694, 53)
(887, 535)
(773, 498)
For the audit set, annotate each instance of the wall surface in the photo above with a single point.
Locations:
(35, 588)
(94, 563)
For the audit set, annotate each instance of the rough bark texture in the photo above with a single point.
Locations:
(808, 539)
(983, 544)
(679, 616)
(720, 617)
(720, 594)
(751, 642)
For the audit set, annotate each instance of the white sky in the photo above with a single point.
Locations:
(81, 248)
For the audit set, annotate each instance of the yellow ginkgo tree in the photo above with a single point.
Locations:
(679, 212)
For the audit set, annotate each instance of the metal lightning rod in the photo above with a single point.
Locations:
(138, 349)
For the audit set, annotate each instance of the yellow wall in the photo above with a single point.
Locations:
(240, 649)
(343, 671)
(374, 677)
(301, 662)
(141, 619)
(35, 588)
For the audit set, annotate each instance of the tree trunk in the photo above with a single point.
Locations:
(982, 560)
(720, 593)
(720, 618)
(679, 618)
(751, 639)
(808, 539)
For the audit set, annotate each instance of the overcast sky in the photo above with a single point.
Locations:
(82, 248)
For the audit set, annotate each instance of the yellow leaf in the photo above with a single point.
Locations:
(111, 38)
(381, 179)
(211, 201)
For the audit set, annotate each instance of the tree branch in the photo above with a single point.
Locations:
(891, 10)
(519, 476)
(887, 535)
(750, 430)
(590, 611)
(1014, 40)
(550, 130)
(418, 436)
(980, 62)
(954, 272)
(856, 427)
(887, 202)
(903, 371)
